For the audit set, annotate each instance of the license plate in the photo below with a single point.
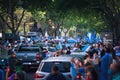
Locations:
(37, 61)
(27, 63)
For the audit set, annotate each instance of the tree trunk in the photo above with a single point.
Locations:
(13, 31)
(116, 29)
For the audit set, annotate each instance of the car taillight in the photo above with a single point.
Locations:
(37, 56)
(38, 76)
(78, 76)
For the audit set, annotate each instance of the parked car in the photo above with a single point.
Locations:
(45, 66)
(29, 56)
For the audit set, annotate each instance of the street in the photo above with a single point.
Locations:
(30, 74)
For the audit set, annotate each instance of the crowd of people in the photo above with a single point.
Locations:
(9, 72)
(100, 63)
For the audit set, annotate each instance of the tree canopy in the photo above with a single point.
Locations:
(96, 14)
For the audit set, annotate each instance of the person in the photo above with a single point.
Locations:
(91, 73)
(68, 50)
(115, 70)
(80, 70)
(75, 48)
(62, 51)
(12, 63)
(55, 74)
(96, 61)
(95, 55)
(103, 50)
(98, 48)
(57, 53)
(18, 76)
(10, 49)
(88, 57)
(106, 60)
(72, 69)
(44, 52)
(1, 74)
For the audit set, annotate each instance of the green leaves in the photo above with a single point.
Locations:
(39, 15)
(88, 14)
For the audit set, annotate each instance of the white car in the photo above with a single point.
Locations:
(44, 69)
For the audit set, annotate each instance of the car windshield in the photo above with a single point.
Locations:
(29, 48)
(63, 66)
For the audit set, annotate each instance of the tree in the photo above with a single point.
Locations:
(109, 10)
(8, 8)
(8, 16)
(84, 22)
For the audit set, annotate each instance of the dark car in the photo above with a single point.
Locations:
(29, 56)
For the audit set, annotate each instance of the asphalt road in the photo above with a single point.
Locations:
(30, 74)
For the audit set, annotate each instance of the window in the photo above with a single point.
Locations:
(29, 49)
(63, 66)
